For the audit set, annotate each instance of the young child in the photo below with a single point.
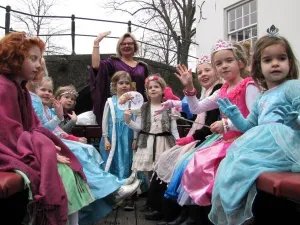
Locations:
(157, 133)
(117, 138)
(57, 187)
(271, 139)
(66, 95)
(102, 184)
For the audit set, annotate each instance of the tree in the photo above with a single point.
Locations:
(172, 17)
(38, 23)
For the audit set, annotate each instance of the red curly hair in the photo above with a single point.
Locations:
(14, 49)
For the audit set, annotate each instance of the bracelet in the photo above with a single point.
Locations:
(96, 46)
(225, 125)
(190, 93)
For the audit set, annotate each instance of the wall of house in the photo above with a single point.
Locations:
(283, 14)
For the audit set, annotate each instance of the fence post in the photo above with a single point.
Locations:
(178, 49)
(7, 19)
(73, 33)
(129, 26)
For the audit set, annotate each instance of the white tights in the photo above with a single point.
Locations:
(73, 218)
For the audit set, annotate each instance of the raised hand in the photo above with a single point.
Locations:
(185, 76)
(227, 108)
(288, 115)
(58, 108)
(101, 36)
(185, 140)
(73, 116)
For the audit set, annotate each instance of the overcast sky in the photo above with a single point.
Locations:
(86, 8)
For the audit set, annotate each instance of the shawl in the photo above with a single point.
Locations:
(26, 146)
(146, 125)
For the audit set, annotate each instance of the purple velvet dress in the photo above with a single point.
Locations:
(100, 81)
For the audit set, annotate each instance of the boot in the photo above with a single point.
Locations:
(131, 178)
(126, 190)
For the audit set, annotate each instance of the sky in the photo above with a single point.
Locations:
(86, 8)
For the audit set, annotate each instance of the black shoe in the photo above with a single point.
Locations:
(129, 205)
(145, 209)
(154, 215)
(180, 219)
(163, 222)
(190, 221)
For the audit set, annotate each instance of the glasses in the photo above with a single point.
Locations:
(127, 43)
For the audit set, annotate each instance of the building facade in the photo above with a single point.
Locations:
(241, 20)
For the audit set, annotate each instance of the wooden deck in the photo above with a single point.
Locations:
(121, 217)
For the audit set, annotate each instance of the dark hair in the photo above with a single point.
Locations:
(263, 43)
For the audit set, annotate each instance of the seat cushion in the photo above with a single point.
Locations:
(10, 183)
(280, 184)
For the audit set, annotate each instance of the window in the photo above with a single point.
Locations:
(242, 22)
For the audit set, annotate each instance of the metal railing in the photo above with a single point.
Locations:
(73, 33)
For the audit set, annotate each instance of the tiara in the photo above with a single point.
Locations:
(204, 59)
(272, 31)
(151, 78)
(221, 45)
(71, 92)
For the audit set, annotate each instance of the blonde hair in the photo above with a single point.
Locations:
(127, 35)
(63, 89)
(157, 78)
(240, 54)
(115, 79)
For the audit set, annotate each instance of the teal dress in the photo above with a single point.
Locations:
(122, 158)
(268, 145)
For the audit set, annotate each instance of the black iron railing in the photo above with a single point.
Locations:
(73, 33)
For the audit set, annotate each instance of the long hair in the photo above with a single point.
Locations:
(14, 49)
(115, 79)
(263, 43)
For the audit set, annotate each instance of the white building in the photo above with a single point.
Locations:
(242, 20)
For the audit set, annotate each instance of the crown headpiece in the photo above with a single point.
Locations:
(273, 31)
(222, 45)
(204, 59)
(71, 92)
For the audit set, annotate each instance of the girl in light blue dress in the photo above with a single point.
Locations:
(102, 184)
(271, 139)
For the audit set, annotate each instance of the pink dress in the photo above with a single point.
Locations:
(199, 175)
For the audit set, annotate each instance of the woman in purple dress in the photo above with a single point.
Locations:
(102, 70)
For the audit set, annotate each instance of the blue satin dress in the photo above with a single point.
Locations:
(268, 146)
(122, 159)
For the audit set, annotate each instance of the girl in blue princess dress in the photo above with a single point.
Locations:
(271, 141)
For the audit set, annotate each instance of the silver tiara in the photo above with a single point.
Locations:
(273, 31)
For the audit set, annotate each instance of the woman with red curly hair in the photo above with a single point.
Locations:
(57, 183)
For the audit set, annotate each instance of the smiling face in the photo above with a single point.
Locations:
(206, 75)
(226, 65)
(45, 91)
(31, 65)
(274, 64)
(126, 47)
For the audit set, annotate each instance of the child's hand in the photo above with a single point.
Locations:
(185, 140)
(73, 116)
(107, 144)
(164, 106)
(62, 159)
(185, 76)
(134, 145)
(82, 140)
(217, 127)
(127, 116)
(288, 115)
(57, 148)
(58, 108)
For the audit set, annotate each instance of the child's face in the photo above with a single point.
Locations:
(31, 65)
(45, 92)
(123, 86)
(154, 90)
(67, 101)
(226, 65)
(274, 64)
(206, 75)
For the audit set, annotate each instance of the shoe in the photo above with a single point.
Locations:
(145, 209)
(129, 205)
(154, 215)
(163, 222)
(131, 178)
(126, 190)
(180, 219)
